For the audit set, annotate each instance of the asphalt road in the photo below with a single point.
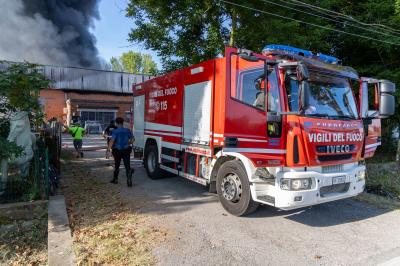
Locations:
(90, 142)
(346, 232)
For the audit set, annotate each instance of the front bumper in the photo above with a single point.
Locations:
(322, 189)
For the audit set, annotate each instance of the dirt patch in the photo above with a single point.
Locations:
(106, 228)
(23, 235)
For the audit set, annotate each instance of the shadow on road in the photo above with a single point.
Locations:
(324, 215)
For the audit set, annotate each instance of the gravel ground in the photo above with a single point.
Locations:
(201, 232)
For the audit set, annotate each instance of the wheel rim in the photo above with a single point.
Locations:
(151, 162)
(231, 188)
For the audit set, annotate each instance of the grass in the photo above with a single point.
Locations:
(23, 240)
(383, 174)
(106, 229)
(379, 201)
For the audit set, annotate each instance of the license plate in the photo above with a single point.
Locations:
(338, 180)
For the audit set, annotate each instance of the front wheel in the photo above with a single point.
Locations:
(233, 189)
(151, 163)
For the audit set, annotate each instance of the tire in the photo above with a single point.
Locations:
(151, 162)
(237, 201)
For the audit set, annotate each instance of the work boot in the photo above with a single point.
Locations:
(129, 177)
(115, 179)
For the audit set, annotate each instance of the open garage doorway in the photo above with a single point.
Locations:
(92, 118)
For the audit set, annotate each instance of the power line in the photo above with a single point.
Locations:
(330, 19)
(334, 13)
(308, 23)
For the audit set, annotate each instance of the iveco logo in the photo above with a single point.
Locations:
(336, 148)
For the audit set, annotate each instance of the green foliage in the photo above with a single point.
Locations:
(8, 149)
(134, 62)
(116, 65)
(19, 90)
(182, 32)
(20, 84)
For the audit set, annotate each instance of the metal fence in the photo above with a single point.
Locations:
(44, 172)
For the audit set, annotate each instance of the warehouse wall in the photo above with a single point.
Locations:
(54, 103)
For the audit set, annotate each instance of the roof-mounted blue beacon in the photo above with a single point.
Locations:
(277, 49)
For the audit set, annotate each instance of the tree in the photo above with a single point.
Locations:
(188, 32)
(182, 32)
(134, 62)
(19, 91)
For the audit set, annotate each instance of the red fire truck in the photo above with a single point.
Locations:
(287, 128)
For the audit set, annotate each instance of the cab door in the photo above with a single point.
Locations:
(246, 129)
(369, 109)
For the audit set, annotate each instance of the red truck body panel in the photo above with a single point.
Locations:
(230, 118)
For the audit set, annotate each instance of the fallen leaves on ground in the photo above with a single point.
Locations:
(106, 229)
(24, 241)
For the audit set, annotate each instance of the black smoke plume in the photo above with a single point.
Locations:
(49, 31)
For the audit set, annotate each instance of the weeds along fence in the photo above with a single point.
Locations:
(44, 171)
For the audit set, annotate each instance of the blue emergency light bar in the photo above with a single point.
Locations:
(285, 49)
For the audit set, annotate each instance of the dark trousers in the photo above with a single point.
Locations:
(77, 144)
(125, 155)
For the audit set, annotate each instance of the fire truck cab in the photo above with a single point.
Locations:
(286, 128)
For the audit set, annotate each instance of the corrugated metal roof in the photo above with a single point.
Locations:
(74, 78)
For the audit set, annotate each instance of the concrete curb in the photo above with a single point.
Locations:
(23, 204)
(60, 251)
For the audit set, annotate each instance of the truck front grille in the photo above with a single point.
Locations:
(339, 188)
(336, 157)
(332, 168)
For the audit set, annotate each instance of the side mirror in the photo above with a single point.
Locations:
(302, 72)
(386, 100)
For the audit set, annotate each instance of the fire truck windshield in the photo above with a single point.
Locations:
(323, 96)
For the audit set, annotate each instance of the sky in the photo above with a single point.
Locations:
(112, 30)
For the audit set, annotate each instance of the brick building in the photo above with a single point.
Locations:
(94, 95)
(91, 106)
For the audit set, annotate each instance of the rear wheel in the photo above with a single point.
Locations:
(151, 162)
(233, 189)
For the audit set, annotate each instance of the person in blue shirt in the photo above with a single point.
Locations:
(120, 144)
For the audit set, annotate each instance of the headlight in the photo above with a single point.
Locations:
(285, 184)
(296, 184)
(360, 175)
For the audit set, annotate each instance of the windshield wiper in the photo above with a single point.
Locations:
(318, 115)
(343, 117)
(332, 117)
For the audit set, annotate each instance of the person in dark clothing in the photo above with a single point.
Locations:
(120, 144)
(108, 131)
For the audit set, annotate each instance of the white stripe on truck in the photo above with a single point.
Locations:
(372, 145)
(163, 127)
(162, 133)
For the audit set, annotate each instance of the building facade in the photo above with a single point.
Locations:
(88, 95)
